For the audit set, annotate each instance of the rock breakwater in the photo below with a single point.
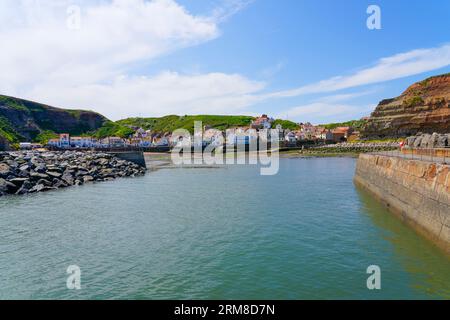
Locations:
(31, 171)
(435, 140)
(357, 147)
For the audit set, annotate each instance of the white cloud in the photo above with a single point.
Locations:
(273, 70)
(346, 96)
(166, 93)
(88, 68)
(390, 68)
(323, 112)
(113, 35)
(41, 59)
(229, 8)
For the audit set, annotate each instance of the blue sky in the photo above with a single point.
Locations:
(232, 56)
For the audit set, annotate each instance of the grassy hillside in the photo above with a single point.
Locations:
(171, 123)
(286, 124)
(356, 124)
(8, 132)
(23, 120)
(113, 129)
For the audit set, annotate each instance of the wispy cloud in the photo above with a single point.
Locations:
(273, 70)
(389, 68)
(229, 8)
(332, 107)
(346, 96)
(323, 112)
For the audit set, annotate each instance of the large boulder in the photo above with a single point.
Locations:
(5, 170)
(442, 141)
(417, 142)
(6, 186)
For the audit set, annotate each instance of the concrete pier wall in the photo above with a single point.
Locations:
(417, 191)
(135, 157)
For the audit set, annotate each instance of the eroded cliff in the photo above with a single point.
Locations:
(423, 107)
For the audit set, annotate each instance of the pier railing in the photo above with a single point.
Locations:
(438, 155)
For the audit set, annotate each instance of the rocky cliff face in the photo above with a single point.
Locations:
(423, 107)
(4, 144)
(24, 120)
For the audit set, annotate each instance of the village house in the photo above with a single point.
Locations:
(213, 136)
(113, 142)
(263, 122)
(290, 138)
(25, 146)
(341, 134)
(142, 142)
(308, 130)
(328, 135)
(338, 135)
(346, 130)
(64, 140)
(81, 142)
(53, 143)
(299, 135)
(116, 142)
(141, 133)
(180, 141)
(324, 134)
(241, 136)
(161, 141)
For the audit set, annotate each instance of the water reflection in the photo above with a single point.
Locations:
(427, 265)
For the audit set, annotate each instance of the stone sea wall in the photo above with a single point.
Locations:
(417, 191)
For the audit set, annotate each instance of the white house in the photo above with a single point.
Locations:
(53, 143)
(81, 142)
(163, 142)
(25, 145)
(240, 136)
(263, 122)
(290, 137)
(64, 140)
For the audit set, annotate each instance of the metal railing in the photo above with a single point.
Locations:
(437, 155)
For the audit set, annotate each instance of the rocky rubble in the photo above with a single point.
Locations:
(358, 147)
(31, 171)
(435, 140)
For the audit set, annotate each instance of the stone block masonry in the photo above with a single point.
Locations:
(417, 191)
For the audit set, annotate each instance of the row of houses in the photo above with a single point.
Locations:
(212, 136)
(239, 135)
(306, 131)
(65, 141)
(310, 132)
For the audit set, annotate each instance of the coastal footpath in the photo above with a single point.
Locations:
(31, 171)
(417, 191)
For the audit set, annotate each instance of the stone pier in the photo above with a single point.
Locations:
(417, 191)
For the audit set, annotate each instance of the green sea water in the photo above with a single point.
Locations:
(216, 233)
